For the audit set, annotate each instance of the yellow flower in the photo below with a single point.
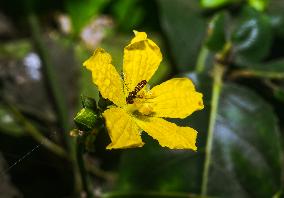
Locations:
(138, 108)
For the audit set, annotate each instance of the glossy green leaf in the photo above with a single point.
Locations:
(271, 69)
(246, 154)
(252, 37)
(184, 28)
(216, 35)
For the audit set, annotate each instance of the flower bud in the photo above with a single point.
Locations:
(89, 103)
(86, 119)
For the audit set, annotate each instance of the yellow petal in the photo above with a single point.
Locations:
(175, 98)
(139, 36)
(105, 76)
(141, 59)
(168, 134)
(123, 131)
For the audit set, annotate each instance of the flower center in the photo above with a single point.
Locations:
(136, 100)
(140, 105)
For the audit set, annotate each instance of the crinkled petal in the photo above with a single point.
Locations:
(106, 77)
(141, 59)
(175, 98)
(123, 131)
(168, 134)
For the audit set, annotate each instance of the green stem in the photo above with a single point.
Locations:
(201, 60)
(32, 130)
(246, 73)
(217, 85)
(50, 74)
(56, 93)
(97, 172)
(81, 165)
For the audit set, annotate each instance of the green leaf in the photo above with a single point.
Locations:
(246, 154)
(128, 14)
(216, 36)
(272, 69)
(252, 37)
(185, 28)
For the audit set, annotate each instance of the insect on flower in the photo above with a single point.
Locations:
(128, 116)
(133, 94)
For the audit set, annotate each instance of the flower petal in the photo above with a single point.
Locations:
(123, 131)
(105, 76)
(175, 98)
(168, 134)
(141, 59)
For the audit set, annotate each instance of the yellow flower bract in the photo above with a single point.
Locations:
(175, 98)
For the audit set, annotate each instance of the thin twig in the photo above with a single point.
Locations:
(33, 131)
(201, 59)
(217, 85)
(247, 73)
(81, 164)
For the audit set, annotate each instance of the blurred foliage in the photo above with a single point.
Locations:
(8, 124)
(128, 14)
(245, 37)
(184, 30)
(216, 35)
(252, 37)
(81, 12)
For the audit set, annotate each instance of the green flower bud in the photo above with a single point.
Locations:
(89, 102)
(86, 119)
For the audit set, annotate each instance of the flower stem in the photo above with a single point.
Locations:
(217, 85)
(201, 60)
(81, 163)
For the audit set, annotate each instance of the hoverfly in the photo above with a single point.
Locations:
(133, 94)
